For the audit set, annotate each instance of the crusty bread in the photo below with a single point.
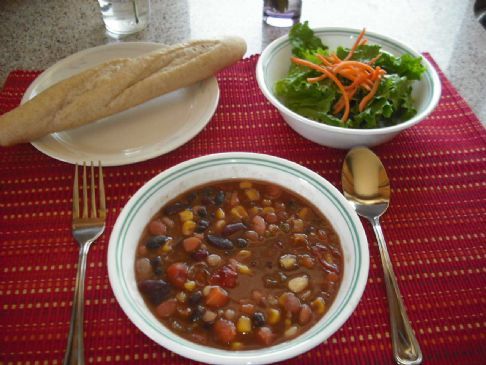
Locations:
(117, 85)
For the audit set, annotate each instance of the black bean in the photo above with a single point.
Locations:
(241, 243)
(155, 290)
(202, 212)
(219, 199)
(208, 196)
(195, 298)
(158, 271)
(175, 208)
(197, 313)
(156, 242)
(231, 228)
(258, 319)
(220, 242)
(202, 225)
(155, 261)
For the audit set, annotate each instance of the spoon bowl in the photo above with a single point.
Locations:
(367, 187)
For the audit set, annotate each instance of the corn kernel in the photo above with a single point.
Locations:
(329, 258)
(236, 345)
(268, 210)
(303, 213)
(167, 247)
(190, 285)
(252, 194)
(181, 297)
(319, 305)
(239, 212)
(298, 283)
(186, 215)
(245, 184)
(291, 331)
(219, 225)
(188, 228)
(287, 322)
(220, 213)
(243, 255)
(243, 269)
(255, 210)
(288, 261)
(273, 316)
(244, 324)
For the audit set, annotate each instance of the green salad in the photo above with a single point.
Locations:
(359, 87)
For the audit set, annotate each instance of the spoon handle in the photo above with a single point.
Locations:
(406, 349)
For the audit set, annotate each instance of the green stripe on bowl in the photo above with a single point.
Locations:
(178, 173)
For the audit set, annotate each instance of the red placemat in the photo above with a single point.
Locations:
(435, 228)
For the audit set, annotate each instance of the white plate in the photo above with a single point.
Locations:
(146, 131)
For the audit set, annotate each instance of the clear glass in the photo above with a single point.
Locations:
(125, 16)
(281, 13)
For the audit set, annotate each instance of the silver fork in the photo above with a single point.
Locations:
(86, 227)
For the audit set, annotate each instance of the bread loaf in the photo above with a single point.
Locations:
(115, 86)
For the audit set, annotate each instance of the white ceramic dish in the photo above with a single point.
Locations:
(146, 131)
(274, 64)
(174, 181)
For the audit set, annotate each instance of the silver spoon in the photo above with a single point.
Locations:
(367, 188)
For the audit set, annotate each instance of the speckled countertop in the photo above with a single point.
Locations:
(35, 34)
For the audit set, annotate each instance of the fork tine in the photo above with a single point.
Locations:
(92, 189)
(75, 194)
(101, 189)
(85, 193)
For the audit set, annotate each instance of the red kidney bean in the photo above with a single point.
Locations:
(155, 290)
(232, 228)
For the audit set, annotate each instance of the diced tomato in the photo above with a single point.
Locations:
(166, 309)
(157, 228)
(273, 191)
(225, 277)
(224, 330)
(191, 243)
(247, 309)
(217, 297)
(265, 336)
(177, 274)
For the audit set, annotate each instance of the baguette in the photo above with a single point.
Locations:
(115, 86)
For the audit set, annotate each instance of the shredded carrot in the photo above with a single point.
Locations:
(369, 96)
(353, 49)
(359, 75)
(317, 79)
(355, 64)
(324, 60)
(374, 59)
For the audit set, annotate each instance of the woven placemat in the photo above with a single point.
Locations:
(435, 228)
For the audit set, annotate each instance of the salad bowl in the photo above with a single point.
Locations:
(274, 63)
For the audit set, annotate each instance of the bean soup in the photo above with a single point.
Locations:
(239, 264)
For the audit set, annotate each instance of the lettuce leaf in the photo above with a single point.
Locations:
(303, 40)
(391, 105)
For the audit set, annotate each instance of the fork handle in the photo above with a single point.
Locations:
(406, 348)
(75, 347)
